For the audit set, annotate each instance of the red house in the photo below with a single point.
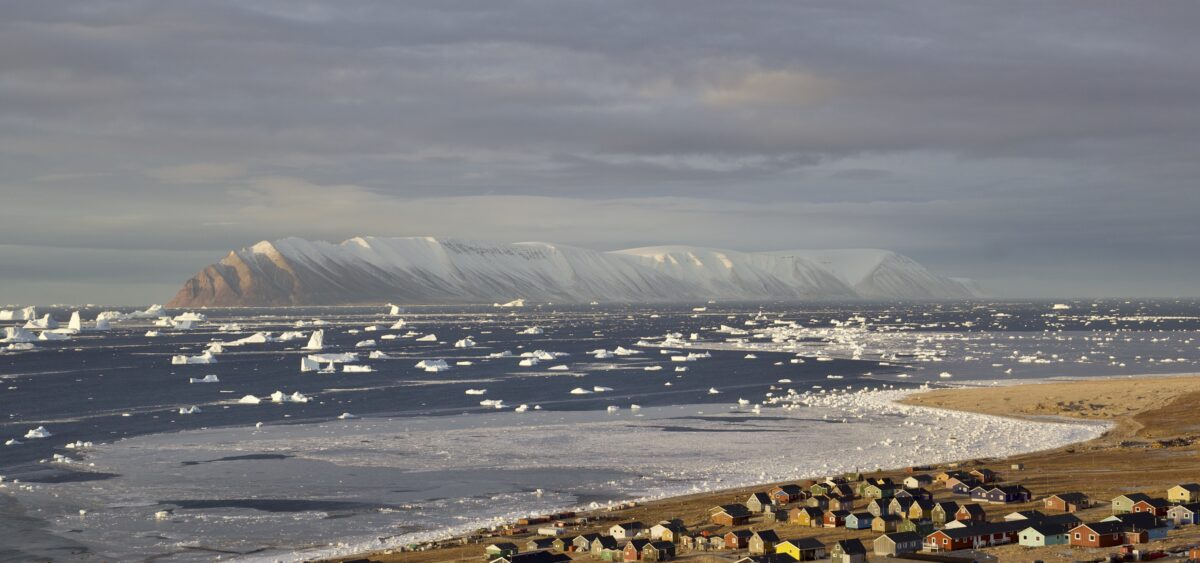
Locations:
(1155, 506)
(633, 549)
(738, 539)
(1097, 534)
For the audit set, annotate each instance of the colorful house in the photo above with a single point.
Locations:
(729, 515)
(848, 551)
(763, 541)
(1184, 514)
(1124, 503)
(859, 521)
(802, 549)
(1097, 534)
(897, 543)
(1184, 493)
(1043, 534)
(1066, 502)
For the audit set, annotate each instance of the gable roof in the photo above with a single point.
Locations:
(735, 510)
(852, 546)
(1137, 521)
(767, 535)
(1192, 487)
(806, 543)
(984, 529)
(1074, 498)
(761, 497)
(1135, 497)
(901, 537)
(1110, 527)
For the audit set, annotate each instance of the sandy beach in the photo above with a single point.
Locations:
(1152, 446)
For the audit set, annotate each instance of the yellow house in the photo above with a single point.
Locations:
(1184, 493)
(802, 549)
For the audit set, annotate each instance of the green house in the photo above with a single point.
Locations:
(848, 551)
(1039, 535)
(923, 526)
(1124, 503)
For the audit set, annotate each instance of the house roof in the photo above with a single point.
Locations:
(1111, 527)
(972, 508)
(503, 545)
(761, 497)
(852, 546)
(1193, 487)
(735, 510)
(1190, 507)
(1137, 521)
(789, 488)
(901, 537)
(542, 542)
(631, 526)
(983, 529)
(1156, 502)
(1135, 497)
(607, 541)
(768, 535)
(1074, 498)
(661, 545)
(768, 558)
(589, 537)
(741, 533)
(948, 505)
(637, 544)
(805, 544)
(1049, 528)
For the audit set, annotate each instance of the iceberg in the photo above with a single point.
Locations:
(189, 410)
(399, 324)
(26, 314)
(316, 341)
(46, 322)
(365, 344)
(190, 317)
(533, 330)
(580, 391)
(309, 364)
(210, 378)
(76, 323)
(475, 391)
(19, 347)
(465, 343)
(351, 368)
(599, 389)
(433, 365)
(17, 334)
(346, 416)
(256, 338)
(37, 433)
(206, 358)
(249, 400)
(151, 312)
(379, 355)
(504, 354)
(510, 304)
(427, 338)
(560, 367)
(342, 358)
(395, 310)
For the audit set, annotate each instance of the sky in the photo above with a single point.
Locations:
(1044, 149)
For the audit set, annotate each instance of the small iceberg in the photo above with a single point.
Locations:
(713, 391)
(352, 368)
(427, 338)
(599, 389)
(560, 367)
(210, 378)
(476, 391)
(365, 344)
(580, 391)
(249, 400)
(465, 343)
(37, 433)
(206, 358)
(433, 366)
(316, 341)
(189, 410)
(13, 442)
(613, 408)
(652, 368)
(635, 407)
(945, 375)
(532, 331)
(151, 334)
(378, 355)
(521, 408)
(346, 416)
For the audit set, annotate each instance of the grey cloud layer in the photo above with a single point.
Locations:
(1045, 149)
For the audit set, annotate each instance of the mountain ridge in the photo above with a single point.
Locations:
(428, 270)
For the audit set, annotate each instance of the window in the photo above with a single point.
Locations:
(1091, 537)
(1076, 535)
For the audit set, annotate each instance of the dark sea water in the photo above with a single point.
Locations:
(106, 386)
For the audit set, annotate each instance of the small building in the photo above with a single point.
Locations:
(984, 475)
(973, 537)
(502, 549)
(1155, 506)
(859, 521)
(738, 539)
(886, 523)
(1124, 503)
(921, 509)
(634, 549)
(879, 491)
(917, 481)
(583, 542)
(786, 494)
(820, 501)
(1184, 493)
(807, 516)
(763, 542)
(819, 489)
(759, 503)
(1150, 527)
(900, 506)
(835, 518)
(1066, 502)
(1184, 514)
(921, 527)
(841, 503)
(1006, 494)
(878, 507)
(667, 530)
(658, 551)
(730, 515)
(848, 551)
(602, 543)
(897, 543)
(1031, 515)
(802, 549)
(1041, 534)
(943, 512)
(536, 544)
(626, 531)
(1097, 534)
(970, 512)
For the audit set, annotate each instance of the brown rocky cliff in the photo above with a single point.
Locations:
(256, 281)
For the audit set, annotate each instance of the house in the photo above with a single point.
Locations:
(1184, 493)
(583, 542)
(716, 542)
(738, 539)
(759, 503)
(503, 549)
(763, 542)
(886, 523)
(534, 557)
(819, 489)
(1066, 502)
(820, 501)
(945, 476)
(897, 543)
(1005, 494)
(962, 486)
(917, 481)
(1151, 527)
(973, 536)
(537, 544)
(786, 494)
(848, 551)
(807, 516)
(563, 544)
(1184, 514)
(602, 543)
(626, 531)
(1040, 534)
(634, 549)
(879, 490)
(843, 490)
(943, 512)
(1032, 515)
(878, 507)
(1155, 506)
(1097, 534)
(921, 509)
(841, 503)
(658, 551)
(984, 475)
(915, 493)
(835, 518)
(667, 530)
(920, 527)
(802, 549)
(1124, 503)
(900, 506)
(859, 521)
(730, 515)
(970, 512)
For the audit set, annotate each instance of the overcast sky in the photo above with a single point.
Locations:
(1044, 149)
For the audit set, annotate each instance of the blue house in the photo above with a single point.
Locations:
(859, 521)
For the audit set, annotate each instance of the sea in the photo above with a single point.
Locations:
(115, 452)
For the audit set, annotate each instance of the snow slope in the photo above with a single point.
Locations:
(295, 271)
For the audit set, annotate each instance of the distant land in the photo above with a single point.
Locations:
(426, 270)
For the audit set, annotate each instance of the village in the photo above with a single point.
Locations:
(957, 514)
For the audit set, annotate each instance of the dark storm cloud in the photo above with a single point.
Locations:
(1022, 143)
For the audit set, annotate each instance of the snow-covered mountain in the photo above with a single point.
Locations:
(295, 271)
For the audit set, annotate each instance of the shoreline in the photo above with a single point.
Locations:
(966, 400)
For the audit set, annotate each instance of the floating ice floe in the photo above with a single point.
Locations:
(945, 375)
(395, 310)
(346, 416)
(191, 316)
(599, 389)
(427, 338)
(532, 331)
(316, 341)
(613, 408)
(365, 344)
(475, 391)
(281, 397)
(495, 403)
(189, 410)
(37, 433)
(521, 408)
(379, 355)
(341, 358)
(751, 357)
(560, 367)
(635, 407)
(210, 378)
(713, 391)
(399, 324)
(623, 351)
(17, 334)
(652, 368)
(465, 343)
(151, 334)
(353, 368)
(504, 354)
(79, 445)
(433, 366)
(206, 358)
(580, 391)
(528, 362)
(13, 442)
(602, 354)
(513, 303)
(249, 400)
